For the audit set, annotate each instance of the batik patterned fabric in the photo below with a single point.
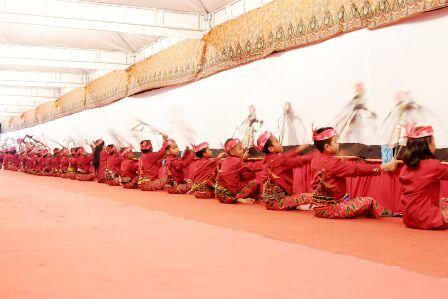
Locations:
(110, 175)
(226, 196)
(173, 187)
(146, 184)
(276, 198)
(129, 183)
(112, 179)
(204, 190)
(85, 177)
(444, 208)
(350, 208)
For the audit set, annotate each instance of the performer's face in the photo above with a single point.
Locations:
(432, 145)
(173, 150)
(237, 151)
(275, 147)
(130, 155)
(333, 146)
(208, 153)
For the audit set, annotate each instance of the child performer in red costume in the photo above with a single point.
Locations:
(175, 178)
(278, 174)
(113, 166)
(39, 164)
(205, 171)
(149, 166)
(235, 181)
(330, 196)
(72, 166)
(85, 171)
(56, 162)
(46, 163)
(65, 163)
(128, 169)
(420, 178)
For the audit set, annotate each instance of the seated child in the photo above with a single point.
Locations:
(420, 178)
(278, 174)
(330, 196)
(205, 171)
(236, 177)
(175, 178)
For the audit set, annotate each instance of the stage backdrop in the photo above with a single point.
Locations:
(317, 80)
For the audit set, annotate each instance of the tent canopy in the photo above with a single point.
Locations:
(48, 48)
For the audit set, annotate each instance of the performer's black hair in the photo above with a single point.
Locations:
(320, 145)
(266, 147)
(201, 153)
(96, 155)
(417, 150)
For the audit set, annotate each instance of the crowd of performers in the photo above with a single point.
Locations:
(233, 178)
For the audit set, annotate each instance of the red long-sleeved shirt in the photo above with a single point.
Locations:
(205, 169)
(235, 173)
(421, 194)
(129, 168)
(175, 166)
(150, 163)
(336, 170)
(279, 168)
(114, 163)
(85, 163)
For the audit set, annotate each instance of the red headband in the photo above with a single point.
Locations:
(200, 147)
(262, 139)
(170, 142)
(231, 144)
(327, 134)
(420, 132)
(126, 150)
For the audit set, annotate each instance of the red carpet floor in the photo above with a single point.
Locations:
(68, 239)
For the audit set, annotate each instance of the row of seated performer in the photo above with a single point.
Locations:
(232, 178)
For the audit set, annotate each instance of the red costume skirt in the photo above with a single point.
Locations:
(129, 183)
(85, 176)
(443, 204)
(276, 198)
(352, 208)
(173, 187)
(112, 179)
(146, 184)
(64, 175)
(250, 190)
(206, 189)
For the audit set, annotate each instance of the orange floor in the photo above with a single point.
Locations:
(68, 239)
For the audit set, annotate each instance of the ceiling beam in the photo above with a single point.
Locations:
(103, 17)
(27, 96)
(64, 58)
(41, 79)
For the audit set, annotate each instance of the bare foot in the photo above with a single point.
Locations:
(246, 200)
(304, 207)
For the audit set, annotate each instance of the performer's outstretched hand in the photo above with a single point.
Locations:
(221, 155)
(390, 166)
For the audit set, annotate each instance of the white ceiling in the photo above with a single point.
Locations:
(177, 5)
